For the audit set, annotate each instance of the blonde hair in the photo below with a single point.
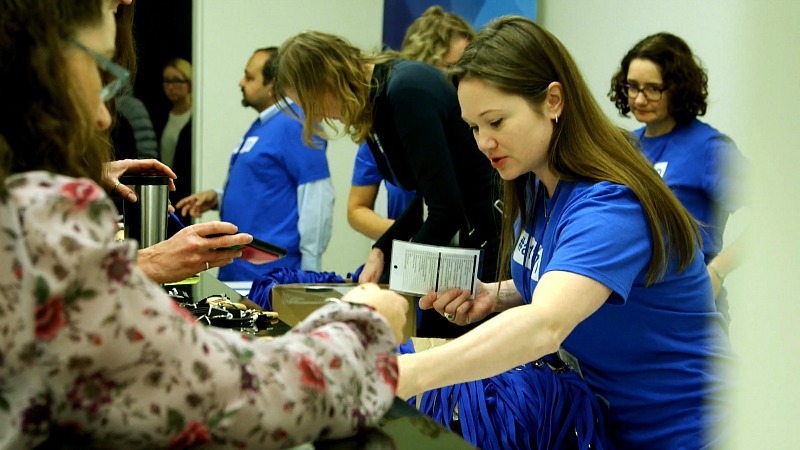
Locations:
(314, 65)
(520, 58)
(183, 66)
(428, 38)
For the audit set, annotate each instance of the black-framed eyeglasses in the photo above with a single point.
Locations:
(650, 92)
(120, 74)
(170, 81)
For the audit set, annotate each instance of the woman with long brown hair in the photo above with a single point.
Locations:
(604, 261)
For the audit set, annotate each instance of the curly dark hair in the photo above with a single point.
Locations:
(682, 72)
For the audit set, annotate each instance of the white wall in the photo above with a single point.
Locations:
(751, 52)
(226, 33)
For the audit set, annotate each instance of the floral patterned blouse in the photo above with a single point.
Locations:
(90, 345)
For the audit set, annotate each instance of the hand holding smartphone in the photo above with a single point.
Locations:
(256, 252)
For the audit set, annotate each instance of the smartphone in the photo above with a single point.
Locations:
(258, 251)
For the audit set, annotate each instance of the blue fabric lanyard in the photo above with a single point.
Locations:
(532, 406)
(261, 290)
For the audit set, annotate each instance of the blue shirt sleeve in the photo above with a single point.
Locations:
(315, 221)
(603, 235)
(724, 177)
(365, 170)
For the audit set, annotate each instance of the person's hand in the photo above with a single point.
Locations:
(389, 304)
(191, 251)
(115, 169)
(198, 203)
(716, 281)
(373, 268)
(457, 302)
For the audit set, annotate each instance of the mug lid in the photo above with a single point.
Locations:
(144, 180)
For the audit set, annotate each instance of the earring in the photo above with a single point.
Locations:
(556, 118)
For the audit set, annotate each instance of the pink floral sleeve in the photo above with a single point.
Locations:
(90, 345)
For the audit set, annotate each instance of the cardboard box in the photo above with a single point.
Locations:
(294, 302)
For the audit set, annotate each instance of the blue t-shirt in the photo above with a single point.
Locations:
(648, 351)
(704, 169)
(260, 196)
(365, 173)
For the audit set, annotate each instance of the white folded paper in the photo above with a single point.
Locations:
(420, 268)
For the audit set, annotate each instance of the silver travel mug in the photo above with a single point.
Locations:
(146, 220)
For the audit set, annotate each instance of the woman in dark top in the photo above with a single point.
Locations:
(175, 132)
(408, 113)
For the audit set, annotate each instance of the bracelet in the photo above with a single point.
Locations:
(717, 272)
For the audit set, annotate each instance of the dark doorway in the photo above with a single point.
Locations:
(163, 30)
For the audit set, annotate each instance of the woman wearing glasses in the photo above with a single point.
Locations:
(661, 82)
(176, 133)
(90, 347)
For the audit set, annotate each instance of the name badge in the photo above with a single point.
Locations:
(661, 168)
(248, 144)
(528, 254)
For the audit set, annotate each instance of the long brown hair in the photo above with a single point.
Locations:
(314, 65)
(125, 54)
(518, 57)
(42, 124)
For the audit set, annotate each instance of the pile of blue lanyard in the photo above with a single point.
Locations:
(543, 404)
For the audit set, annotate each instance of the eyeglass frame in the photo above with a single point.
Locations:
(121, 75)
(171, 82)
(626, 88)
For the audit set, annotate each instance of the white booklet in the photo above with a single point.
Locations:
(420, 268)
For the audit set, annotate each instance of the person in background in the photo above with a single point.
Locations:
(175, 131)
(408, 114)
(663, 84)
(437, 38)
(133, 135)
(278, 188)
(93, 349)
(604, 261)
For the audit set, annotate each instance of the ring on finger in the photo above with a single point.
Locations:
(449, 316)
